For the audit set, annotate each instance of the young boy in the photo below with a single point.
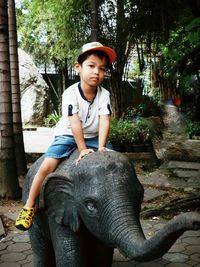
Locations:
(84, 123)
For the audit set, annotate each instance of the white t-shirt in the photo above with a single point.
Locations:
(73, 101)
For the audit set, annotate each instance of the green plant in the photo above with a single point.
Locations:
(193, 128)
(145, 132)
(134, 112)
(52, 119)
(117, 129)
(130, 131)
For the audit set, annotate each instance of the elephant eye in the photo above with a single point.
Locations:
(91, 207)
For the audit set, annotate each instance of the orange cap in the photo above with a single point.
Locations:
(98, 47)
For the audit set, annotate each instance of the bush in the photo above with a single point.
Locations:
(130, 131)
(193, 128)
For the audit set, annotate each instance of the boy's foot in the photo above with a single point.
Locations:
(25, 218)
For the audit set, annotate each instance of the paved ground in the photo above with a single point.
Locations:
(15, 248)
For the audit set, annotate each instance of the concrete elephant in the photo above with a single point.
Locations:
(97, 202)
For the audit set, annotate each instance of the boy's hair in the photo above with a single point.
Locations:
(100, 54)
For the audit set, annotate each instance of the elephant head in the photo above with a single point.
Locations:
(103, 191)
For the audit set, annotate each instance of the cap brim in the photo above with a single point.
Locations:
(109, 51)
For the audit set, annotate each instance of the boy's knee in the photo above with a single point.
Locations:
(49, 166)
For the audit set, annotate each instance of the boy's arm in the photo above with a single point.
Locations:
(77, 131)
(104, 126)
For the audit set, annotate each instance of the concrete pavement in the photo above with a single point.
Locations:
(37, 141)
(15, 250)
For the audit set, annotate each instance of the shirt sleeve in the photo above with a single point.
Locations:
(104, 103)
(69, 102)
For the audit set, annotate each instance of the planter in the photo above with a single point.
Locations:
(143, 147)
(118, 147)
(143, 151)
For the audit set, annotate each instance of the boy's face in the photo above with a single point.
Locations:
(91, 71)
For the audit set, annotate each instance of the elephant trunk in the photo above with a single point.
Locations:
(133, 244)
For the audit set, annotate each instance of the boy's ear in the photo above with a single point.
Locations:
(77, 66)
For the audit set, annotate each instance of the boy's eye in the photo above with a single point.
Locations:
(92, 66)
(103, 68)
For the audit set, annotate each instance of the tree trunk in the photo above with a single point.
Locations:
(196, 116)
(9, 185)
(122, 49)
(94, 20)
(194, 8)
(15, 88)
(116, 82)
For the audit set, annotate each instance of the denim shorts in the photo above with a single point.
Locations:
(64, 145)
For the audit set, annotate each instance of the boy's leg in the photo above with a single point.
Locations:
(92, 143)
(24, 219)
(47, 166)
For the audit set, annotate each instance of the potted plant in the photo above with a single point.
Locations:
(117, 134)
(130, 135)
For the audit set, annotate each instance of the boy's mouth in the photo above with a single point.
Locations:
(95, 79)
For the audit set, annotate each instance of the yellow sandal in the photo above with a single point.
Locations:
(25, 218)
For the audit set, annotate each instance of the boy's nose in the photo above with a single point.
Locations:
(96, 70)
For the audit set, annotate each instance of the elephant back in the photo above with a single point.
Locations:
(65, 168)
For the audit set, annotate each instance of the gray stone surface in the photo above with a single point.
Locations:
(153, 193)
(34, 91)
(185, 252)
(12, 215)
(183, 165)
(2, 230)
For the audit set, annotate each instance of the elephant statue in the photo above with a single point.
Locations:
(90, 208)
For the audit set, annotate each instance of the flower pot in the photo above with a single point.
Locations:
(118, 147)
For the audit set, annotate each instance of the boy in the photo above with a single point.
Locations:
(84, 123)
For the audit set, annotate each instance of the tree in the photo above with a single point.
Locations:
(15, 88)
(9, 185)
(94, 20)
(181, 56)
(52, 30)
(129, 25)
(125, 25)
(116, 22)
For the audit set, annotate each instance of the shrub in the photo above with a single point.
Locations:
(130, 131)
(193, 128)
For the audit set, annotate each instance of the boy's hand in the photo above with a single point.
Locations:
(102, 148)
(83, 153)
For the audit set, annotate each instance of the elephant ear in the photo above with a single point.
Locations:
(57, 197)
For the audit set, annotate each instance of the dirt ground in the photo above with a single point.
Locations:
(8, 206)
